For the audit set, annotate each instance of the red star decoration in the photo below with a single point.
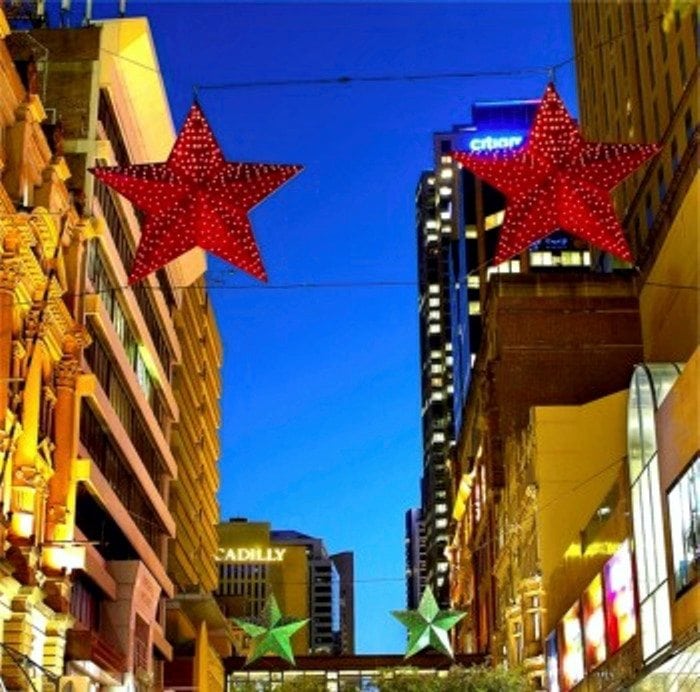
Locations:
(196, 199)
(558, 181)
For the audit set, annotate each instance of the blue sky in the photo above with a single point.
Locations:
(321, 401)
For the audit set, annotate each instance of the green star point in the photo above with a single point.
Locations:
(428, 625)
(271, 633)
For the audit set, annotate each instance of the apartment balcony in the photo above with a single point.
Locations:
(87, 646)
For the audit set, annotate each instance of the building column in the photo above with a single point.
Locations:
(55, 643)
(59, 554)
(10, 274)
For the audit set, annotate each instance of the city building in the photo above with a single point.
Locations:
(344, 635)
(41, 384)
(549, 340)
(255, 561)
(101, 83)
(574, 542)
(644, 87)
(196, 627)
(458, 219)
(415, 557)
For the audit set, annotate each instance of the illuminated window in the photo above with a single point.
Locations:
(445, 191)
(473, 281)
(441, 523)
(470, 232)
(684, 511)
(474, 307)
(446, 173)
(434, 289)
(434, 329)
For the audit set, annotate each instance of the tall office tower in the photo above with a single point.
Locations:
(324, 592)
(415, 557)
(103, 84)
(458, 219)
(196, 626)
(344, 636)
(434, 254)
(643, 88)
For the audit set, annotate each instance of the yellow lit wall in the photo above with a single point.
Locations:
(287, 579)
(670, 298)
(579, 455)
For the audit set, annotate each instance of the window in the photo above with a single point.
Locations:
(689, 127)
(649, 213)
(664, 42)
(674, 155)
(669, 96)
(657, 121)
(662, 182)
(681, 63)
(684, 511)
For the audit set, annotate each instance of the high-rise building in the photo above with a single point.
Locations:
(255, 562)
(458, 218)
(196, 626)
(415, 557)
(325, 585)
(644, 88)
(344, 634)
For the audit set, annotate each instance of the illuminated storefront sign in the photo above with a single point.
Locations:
(552, 655)
(491, 142)
(250, 554)
(572, 671)
(594, 623)
(620, 617)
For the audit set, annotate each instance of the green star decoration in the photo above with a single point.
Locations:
(271, 633)
(428, 626)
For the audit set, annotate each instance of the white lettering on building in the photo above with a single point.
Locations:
(490, 143)
(250, 554)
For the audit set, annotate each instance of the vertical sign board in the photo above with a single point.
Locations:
(620, 615)
(571, 648)
(594, 623)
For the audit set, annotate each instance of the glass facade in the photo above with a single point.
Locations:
(650, 384)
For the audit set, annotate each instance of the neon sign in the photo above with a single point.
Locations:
(489, 142)
(250, 554)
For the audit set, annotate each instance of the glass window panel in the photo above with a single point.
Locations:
(642, 577)
(656, 511)
(648, 526)
(663, 616)
(648, 628)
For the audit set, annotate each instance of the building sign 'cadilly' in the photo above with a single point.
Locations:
(250, 554)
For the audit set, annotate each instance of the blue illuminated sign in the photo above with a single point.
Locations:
(491, 142)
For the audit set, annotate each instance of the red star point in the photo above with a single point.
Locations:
(196, 199)
(557, 180)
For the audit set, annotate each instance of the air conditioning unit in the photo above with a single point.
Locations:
(74, 683)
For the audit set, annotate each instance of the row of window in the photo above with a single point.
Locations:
(109, 460)
(111, 381)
